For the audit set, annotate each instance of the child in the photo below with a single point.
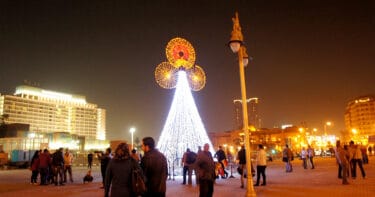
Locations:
(88, 178)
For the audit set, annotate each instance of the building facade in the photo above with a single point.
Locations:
(360, 116)
(50, 112)
(253, 113)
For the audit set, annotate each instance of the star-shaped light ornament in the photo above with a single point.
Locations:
(181, 56)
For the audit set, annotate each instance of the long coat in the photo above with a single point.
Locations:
(118, 174)
(155, 168)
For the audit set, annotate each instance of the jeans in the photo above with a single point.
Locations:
(261, 170)
(34, 176)
(312, 162)
(43, 175)
(68, 168)
(187, 170)
(354, 167)
(58, 171)
(304, 163)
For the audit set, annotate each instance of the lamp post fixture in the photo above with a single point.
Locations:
(325, 127)
(236, 44)
(132, 130)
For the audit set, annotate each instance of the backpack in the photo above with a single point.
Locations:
(191, 157)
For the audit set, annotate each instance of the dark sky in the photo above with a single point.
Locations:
(309, 57)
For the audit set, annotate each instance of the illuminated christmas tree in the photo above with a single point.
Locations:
(183, 128)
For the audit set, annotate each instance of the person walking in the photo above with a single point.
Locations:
(241, 157)
(118, 173)
(342, 156)
(304, 156)
(104, 161)
(311, 154)
(206, 167)
(34, 167)
(155, 168)
(261, 159)
(221, 158)
(287, 158)
(68, 161)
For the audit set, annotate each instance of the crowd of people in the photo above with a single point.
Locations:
(53, 168)
(348, 157)
(117, 168)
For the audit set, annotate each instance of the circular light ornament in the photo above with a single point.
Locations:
(166, 75)
(196, 77)
(180, 53)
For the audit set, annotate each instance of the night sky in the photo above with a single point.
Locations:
(309, 57)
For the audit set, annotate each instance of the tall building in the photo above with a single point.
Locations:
(360, 115)
(50, 112)
(252, 110)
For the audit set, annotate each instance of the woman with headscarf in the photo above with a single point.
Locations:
(119, 173)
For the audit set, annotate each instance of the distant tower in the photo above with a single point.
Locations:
(253, 113)
(183, 128)
(360, 115)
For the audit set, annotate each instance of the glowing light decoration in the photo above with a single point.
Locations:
(183, 128)
(197, 78)
(165, 75)
(180, 53)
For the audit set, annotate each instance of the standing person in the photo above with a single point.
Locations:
(310, 154)
(104, 161)
(221, 158)
(68, 161)
(44, 166)
(155, 168)
(357, 159)
(90, 157)
(241, 157)
(339, 174)
(58, 166)
(364, 154)
(287, 158)
(188, 160)
(304, 156)
(342, 156)
(206, 166)
(261, 164)
(118, 173)
(34, 167)
(196, 169)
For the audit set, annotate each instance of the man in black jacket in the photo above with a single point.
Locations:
(155, 168)
(58, 166)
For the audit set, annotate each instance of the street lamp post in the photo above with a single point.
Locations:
(325, 127)
(132, 130)
(236, 44)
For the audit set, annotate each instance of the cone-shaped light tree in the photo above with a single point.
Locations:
(183, 128)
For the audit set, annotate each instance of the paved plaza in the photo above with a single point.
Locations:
(321, 181)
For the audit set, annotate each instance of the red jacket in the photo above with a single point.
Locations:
(35, 164)
(44, 160)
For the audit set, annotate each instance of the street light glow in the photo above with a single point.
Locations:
(132, 130)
